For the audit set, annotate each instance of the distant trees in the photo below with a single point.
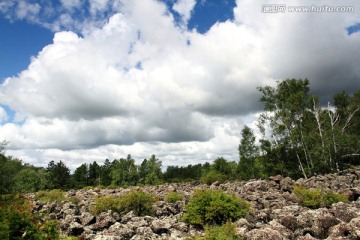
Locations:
(59, 175)
(248, 151)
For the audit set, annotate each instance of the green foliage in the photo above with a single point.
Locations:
(248, 152)
(105, 203)
(224, 232)
(124, 172)
(329, 197)
(59, 175)
(184, 173)
(150, 171)
(105, 173)
(50, 196)
(27, 180)
(9, 167)
(211, 207)
(305, 135)
(315, 198)
(139, 202)
(213, 176)
(51, 229)
(173, 197)
(18, 222)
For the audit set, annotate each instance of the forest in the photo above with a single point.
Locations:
(297, 135)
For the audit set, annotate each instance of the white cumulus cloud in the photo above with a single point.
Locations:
(138, 84)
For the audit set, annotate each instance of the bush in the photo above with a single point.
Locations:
(330, 197)
(315, 198)
(50, 196)
(173, 197)
(139, 202)
(105, 203)
(209, 207)
(18, 222)
(212, 177)
(51, 229)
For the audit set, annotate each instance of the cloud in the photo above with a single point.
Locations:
(137, 83)
(184, 8)
(3, 115)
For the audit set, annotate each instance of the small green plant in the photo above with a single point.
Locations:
(105, 203)
(223, 232)
(315, 198)
(214, 207)
(139, 202)
(212, 177)
(50, 196)
(173, 197)
(88, 188)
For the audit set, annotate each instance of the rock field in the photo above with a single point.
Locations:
(277, 214)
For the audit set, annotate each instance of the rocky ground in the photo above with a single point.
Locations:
(277, 213)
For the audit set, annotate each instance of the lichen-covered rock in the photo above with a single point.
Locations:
(264, 233)
(104, 220)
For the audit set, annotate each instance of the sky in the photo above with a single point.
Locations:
(89, 80)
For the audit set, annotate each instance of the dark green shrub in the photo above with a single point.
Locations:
(105, 203)
(315, 198)
(18, 222)
(139, 202)
(50, 196)
(212, 177)
(173, 197)
(210, 207)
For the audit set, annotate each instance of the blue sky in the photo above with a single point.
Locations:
(23, 39)
(90, 80)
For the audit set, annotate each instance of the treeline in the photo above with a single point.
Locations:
(296, 137)
(19, 177)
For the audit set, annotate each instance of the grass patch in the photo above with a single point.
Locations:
(54, 195)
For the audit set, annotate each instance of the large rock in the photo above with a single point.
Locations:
(104, 220)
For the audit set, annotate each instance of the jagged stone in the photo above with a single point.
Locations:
(104, 220)
(87, 218)
(75, 229)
